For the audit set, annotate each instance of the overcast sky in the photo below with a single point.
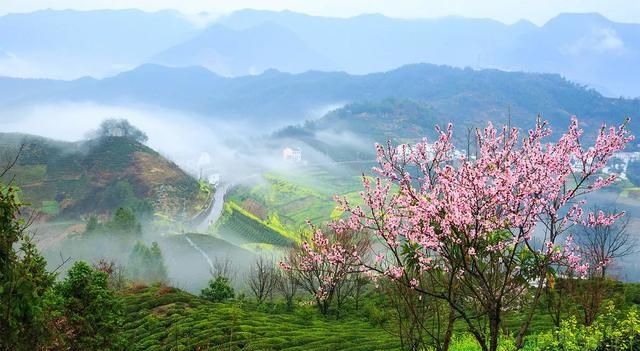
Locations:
(508, 11)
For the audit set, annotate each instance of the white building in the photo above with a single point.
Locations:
(292, 154)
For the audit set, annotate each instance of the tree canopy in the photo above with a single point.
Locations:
(121, 127)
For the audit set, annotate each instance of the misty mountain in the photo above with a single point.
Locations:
(69, 44)
(587, 48)
(274, 99)
(584, 47)
(68, 180)
(248, 51)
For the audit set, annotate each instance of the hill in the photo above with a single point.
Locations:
(274, 99)
(69, 180)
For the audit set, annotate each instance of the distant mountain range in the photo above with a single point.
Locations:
(274, 99)
(586, 48)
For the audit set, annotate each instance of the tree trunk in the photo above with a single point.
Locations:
(494, 329)
(449, 333)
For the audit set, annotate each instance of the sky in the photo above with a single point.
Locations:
(507, 11)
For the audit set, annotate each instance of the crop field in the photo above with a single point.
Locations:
(164, 318)
(168, 319)
(306, 194)
(241, 227)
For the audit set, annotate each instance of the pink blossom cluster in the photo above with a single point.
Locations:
(516, 185)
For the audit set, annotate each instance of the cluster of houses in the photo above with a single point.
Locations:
(292, 154)
(617, 165)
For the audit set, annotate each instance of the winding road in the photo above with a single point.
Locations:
(217, 204)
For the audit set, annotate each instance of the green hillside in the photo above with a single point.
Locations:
(242, 227)
(69, 180)
(160, 318)
(285, 201)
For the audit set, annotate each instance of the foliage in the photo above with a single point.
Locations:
(176, 320)
(146, 264)
(120, 128)
(92, 312)
(123, 223)
(324, 266)
(219, 289)
(468, 223)
(24, 280)
(608, 333)
(121, 195)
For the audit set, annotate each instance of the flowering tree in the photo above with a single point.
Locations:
(487, 227)
(324, 265)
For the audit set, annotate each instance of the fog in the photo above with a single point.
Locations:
(194, 142)
(201, 145)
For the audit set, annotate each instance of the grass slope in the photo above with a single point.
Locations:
(169, 319)
(72, 179)
(242, 227)
(287, 201)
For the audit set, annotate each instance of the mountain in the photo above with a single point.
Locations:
(241, 52)
(69, 180)
(69, 44)
(347, 134)
(584, 47)
(373, 43)
(587, 48)
(274, 99)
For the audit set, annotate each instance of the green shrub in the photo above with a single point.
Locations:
(219, 289)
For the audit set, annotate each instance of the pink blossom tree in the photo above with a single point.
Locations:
(491, 227)
(328, 265)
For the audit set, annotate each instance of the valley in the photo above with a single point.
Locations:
(270, 179)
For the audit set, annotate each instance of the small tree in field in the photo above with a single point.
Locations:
(262, 278)
(600, 245)
(471, 222)
(287, 285)
(219, 289)
(322, 266)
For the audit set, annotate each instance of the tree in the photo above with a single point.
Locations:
(322, 266)
(120, 128)
(24, 280)
(125, 222)
(219, 289)
(146, 264)
(93, 314)
(262, 278)
(472, 221)
(92, 225)
(600, 245)
(117, 276)
(287, 284)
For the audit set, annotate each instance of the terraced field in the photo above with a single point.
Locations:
(241, 227)
(306, 194)
(160, 318)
